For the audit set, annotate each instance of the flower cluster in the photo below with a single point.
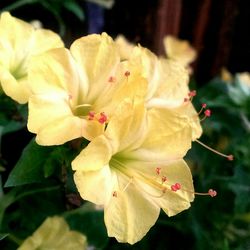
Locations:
(134, 109)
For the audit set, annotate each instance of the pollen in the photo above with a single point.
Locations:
(91, 115)
(192, 93)
(163, 179)
(103, 118)
(158, 170)
(207, 112)
(212, 192)
(176, 187)
(127, 73)
(111, 79)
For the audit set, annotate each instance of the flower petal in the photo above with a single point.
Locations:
(179, 50)
(44, 40)
(17, 90)
(16, 32)
(151, 184)
(96, 155)
(168, 137)
(98, 57)
(60, 131)
(54, 233)
(127, 126)
(130, 215)
(95, 186)
(55, 72)
(172, 86)
(44, 109)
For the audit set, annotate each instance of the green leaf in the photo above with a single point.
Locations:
(3, 235)
(239, 184)
(29, 168)
(13, 126)
(75, 8)
(18, 4)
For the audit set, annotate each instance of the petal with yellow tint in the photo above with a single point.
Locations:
(187, 110)
(54, 72)
(127, 126)
(179, 50)
(130, 215)
(147, 63)
(95, 186)
(17, 90)
(60, 131)
(168, 136)
(124, 46)
(15, 32)
(44, 109)
(96, 155)
(97, 55)
(44, 40)
(54, 233)
(150, 183)
(172, 87)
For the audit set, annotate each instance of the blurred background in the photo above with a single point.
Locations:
(220, 33)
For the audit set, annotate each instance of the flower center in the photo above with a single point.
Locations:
(82, 110)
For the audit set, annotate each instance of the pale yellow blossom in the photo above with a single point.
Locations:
(19, 41)
(55, 234)
(132, 168)
(179, 50)
(77, 90)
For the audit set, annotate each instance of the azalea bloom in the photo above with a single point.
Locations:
(179, 50)
(135, 168)
(55, 233)
(19, 41)
(77, 90)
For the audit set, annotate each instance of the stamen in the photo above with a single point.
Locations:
(212, 192)
(114, 194)
(130, 181)
(203, 106)
(229, 157)
(91, 115)
(111, 79)
(103, 118)
(191, 94)
(163, 179)
(175, 187)
(127, 73)
(207, 113)
(158, 170)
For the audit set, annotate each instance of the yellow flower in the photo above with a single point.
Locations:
(226, 76)
(124, 46)
(77, 90)
(167, 85)
(135, 168)
(19, 41)
(55, 234)
(244, 78)
(179, 50)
